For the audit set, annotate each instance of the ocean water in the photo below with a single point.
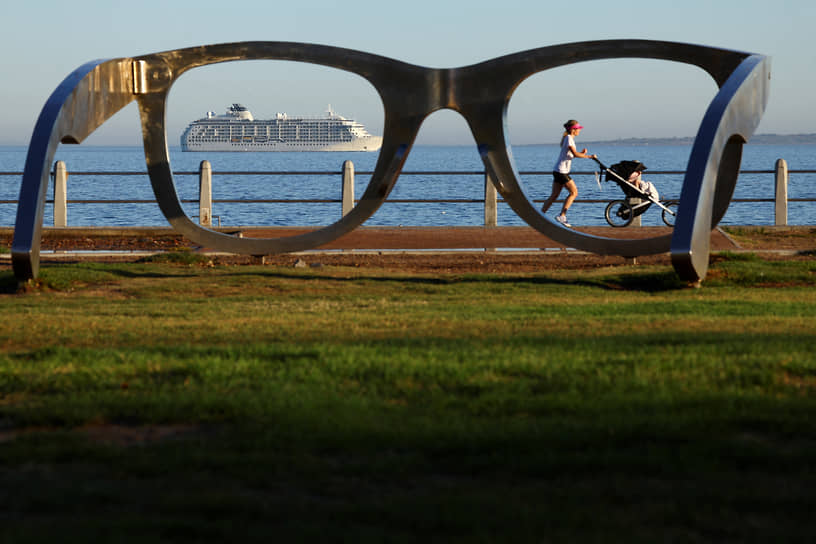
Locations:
(425, 186)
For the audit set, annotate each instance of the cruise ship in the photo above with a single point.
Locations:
(238, 130)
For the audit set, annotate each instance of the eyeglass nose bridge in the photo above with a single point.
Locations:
(481, 100)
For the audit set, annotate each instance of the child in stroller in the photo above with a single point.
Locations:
(640, 194)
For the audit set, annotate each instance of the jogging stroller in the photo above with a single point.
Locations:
(620, 213)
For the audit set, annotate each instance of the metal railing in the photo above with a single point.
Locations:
(490, 200)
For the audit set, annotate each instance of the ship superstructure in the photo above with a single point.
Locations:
(238, 130)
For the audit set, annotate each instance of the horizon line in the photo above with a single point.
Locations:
(809, 136)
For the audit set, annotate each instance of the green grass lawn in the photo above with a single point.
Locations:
(176, 402)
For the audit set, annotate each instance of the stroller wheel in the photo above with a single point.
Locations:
(619, 213)
(671, 214)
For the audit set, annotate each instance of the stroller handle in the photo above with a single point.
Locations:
(600, 164)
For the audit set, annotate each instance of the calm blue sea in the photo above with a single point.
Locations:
(425, 186)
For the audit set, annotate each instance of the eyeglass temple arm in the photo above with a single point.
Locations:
(729, 122)
(88, 97)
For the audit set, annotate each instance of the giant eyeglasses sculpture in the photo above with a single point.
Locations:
(97, 90)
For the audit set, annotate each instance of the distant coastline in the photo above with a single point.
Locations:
(756, 139)
(766, 139)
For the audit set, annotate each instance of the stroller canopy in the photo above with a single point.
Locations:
(624, 169)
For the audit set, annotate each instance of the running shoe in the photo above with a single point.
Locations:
(563, 220)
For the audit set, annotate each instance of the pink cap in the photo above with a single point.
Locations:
(576, 127)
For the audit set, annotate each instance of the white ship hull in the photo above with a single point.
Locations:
(372, 143)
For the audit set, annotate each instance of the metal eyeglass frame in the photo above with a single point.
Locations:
(97, 90)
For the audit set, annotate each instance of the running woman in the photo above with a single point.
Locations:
(561, 170)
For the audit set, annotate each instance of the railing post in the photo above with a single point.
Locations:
(781, 193)
(636, 220)
(491, 217)
(205, 194)
(60, 194)
(348, 187)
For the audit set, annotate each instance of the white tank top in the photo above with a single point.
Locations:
(564, 162)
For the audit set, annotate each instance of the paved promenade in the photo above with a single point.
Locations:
(363, 238)
(414, 249)
(439, 238)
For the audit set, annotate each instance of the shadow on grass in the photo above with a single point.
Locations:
(179, 257)
(742, 269)
(8, 283)
(79, 272)
(650, 281)
(410, 461)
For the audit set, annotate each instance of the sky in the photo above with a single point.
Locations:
(44, 40)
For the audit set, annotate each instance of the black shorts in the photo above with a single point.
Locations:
(563, 179)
